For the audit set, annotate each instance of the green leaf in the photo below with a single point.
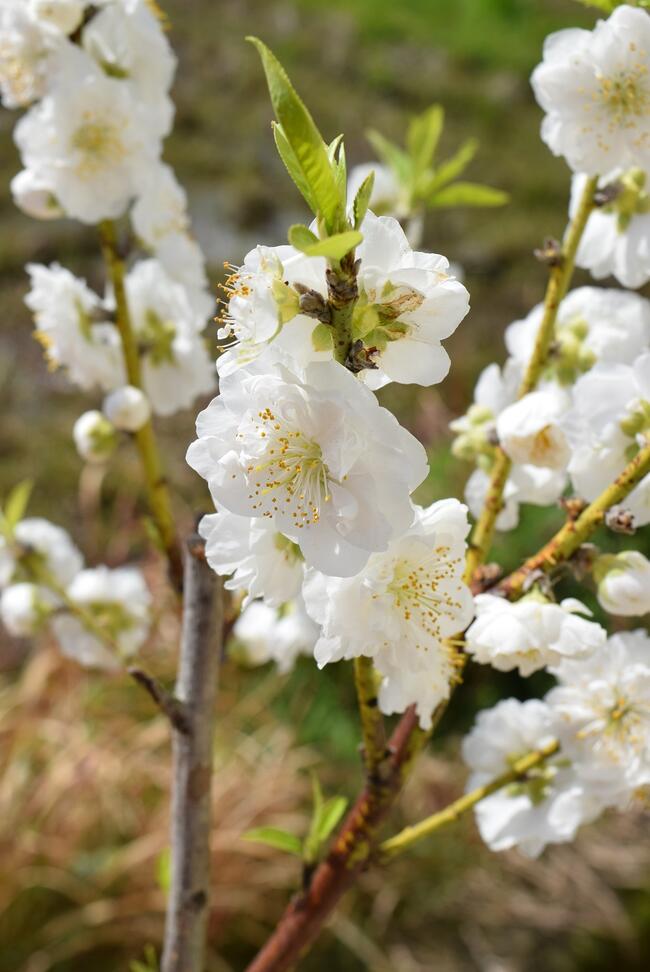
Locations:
(321, 338)
(306, 142)
(606, 5)
(392, 156)
(423, 135)
(292, 164)
(312, 842)
(331, 813)
(468, 194)
(335, 247)
(17, 502)
(274, 837)
(301, 237)
(454, 166)
(362, 200)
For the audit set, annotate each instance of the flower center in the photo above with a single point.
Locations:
(98, 143)
(419, 592)
(289, 475)
(625, 95)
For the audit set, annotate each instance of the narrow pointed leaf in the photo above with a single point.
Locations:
(274, 837)
(468, 194)
(302, 135)
(330, 815)
(17, 502)
(423, 135)
(292, 165)
(392, 156)
(454, 166)
(362, 200)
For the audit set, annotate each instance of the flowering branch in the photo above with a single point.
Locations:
(560, 277)
(156, 485)
(574, 533)
(520, 770)
(196, 688)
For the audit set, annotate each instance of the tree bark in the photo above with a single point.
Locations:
(196, 689)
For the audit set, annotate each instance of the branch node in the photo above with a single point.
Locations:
(168, 704)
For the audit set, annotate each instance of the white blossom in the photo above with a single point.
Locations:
(24, 608)
(127, 408)
(267, 634)
(263, 563)
(547, 807)
(536, 485)
(316, 456)
(531, 633)
(530, 430)
(400, 609)
(52, 547)
(94, 436)
(593, 324)
(183, 260)
(624, 583)
(118, 602)
(26, 49)
(609, 423)
(128, 42)
(63, 15)
(616, 239)
(595, 89)
(408, 303)
(161, 207)
(65, 312)
(603, 703)
(90, 139)
(32, 195)
(176, 367)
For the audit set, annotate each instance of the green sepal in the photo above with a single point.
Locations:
(321, 338)
(333, 247)
(301, 237)
(468, 194)
(275, 837)
(310, 155)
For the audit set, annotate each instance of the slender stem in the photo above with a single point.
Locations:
(155, 483)
(574, 533)
(372, 721)
(342, 292)
(306, 914)
(558, 284)
(196, 688)
(410, 835)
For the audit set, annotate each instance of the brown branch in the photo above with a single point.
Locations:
(196, 688)
(307, 912)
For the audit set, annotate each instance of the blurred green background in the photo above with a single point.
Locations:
(83, 794)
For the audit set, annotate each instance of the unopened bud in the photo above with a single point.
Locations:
(127, 408)
(94, 436)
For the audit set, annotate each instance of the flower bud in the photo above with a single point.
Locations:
(24, 607)
(64, 15)
(34, 197)
(624, 583)
(127, 408)
(94, 436)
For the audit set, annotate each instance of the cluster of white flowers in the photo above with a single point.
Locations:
(588, 416)
(313, 479)
(97, 615)
(599, 711)
(95, 79)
